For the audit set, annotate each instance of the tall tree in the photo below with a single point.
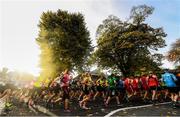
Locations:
(174, 53)
(64, 42)
(127, 45)
(4, 74)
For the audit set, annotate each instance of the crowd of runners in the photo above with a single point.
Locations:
(85, 89)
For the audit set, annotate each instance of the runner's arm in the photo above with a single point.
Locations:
(174, 77)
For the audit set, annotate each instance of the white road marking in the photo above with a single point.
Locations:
(136, 107)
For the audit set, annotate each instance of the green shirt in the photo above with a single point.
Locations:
(111, 81)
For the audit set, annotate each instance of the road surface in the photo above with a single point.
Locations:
(97, 109)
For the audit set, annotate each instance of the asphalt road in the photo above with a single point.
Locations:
(156, 110)
(97, 109)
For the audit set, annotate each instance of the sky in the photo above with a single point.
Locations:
(19, 20)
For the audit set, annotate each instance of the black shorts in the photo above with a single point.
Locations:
(86, 90)
(93, 88)
(65, 93)
(178, 88)
(112, 92)
(100, 88)
(76, 89)
(56, 90)
(159, 88)
(164, 87)
(121, 90)
(105, 88)
(153, 88)
(173, 89)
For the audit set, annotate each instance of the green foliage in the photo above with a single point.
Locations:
(174, 53)
(128, 45)
(140, 13)
(64, 42)
(4, 73)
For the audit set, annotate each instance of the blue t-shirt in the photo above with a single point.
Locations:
(120, 84)
(169, 79)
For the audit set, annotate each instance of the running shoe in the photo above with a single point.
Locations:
(119, 105)
(86, 108)
(67, 110)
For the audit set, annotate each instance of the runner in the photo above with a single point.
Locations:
(120, 88)
(164, 89)
(100, 87)
(144, 82)
(112, 91)
(105, 85)
(169, 80)
(65, 87)
(86, 90)
(135, 87)
(178, 82)
(65, 80)
(128, 87)
(153, 84)
(81, 86)
(54, 88)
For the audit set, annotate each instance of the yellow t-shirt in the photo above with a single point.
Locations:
(106, 83)
(87, 80)
(100, 82)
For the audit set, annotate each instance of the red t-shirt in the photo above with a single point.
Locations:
(66, 80)
(135, 83)
(126, 82)
(152, 81)
(144, 81)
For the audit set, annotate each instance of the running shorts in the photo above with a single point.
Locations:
(173, 89)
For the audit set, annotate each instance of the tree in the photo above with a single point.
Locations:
(174, 53)
(127, 45)
(4, 75)
(64, 42)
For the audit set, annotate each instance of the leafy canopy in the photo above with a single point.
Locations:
(64, 42)
(127, 45)
(174, 53)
